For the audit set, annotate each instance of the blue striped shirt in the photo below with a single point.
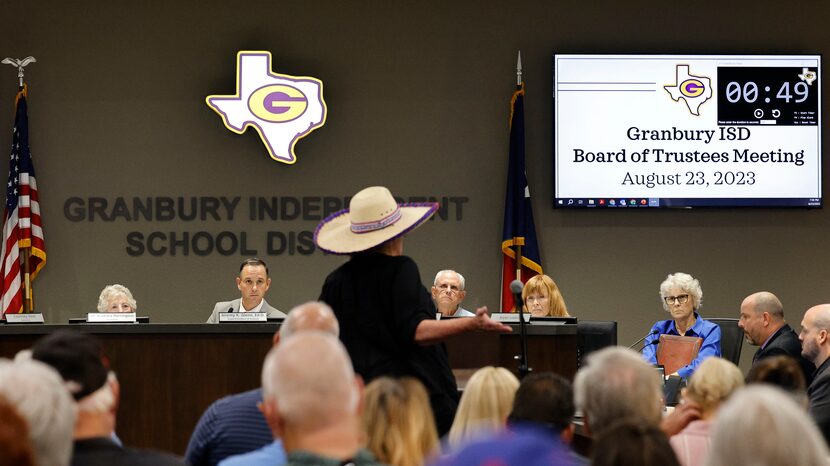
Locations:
(230, 426)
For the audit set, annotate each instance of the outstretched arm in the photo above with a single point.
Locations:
(433, 331)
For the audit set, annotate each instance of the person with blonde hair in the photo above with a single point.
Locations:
(398, 422)
(543, 298)
(762, 426)
(116, 298)
(713, 382)
(485, 404)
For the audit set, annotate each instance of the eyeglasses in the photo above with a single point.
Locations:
(682, 299)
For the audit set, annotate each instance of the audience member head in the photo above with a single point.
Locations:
(815, 334)
(448, 291)
(484, 405)
(782, 372)
(398, 422)
(15, 446)
(253, 282)
(543, 298)
(634, 442)
(762, 426)
(545, 399)
(684, 287)
(309, 387)
(313, 315)
(712, 383)
(77, 357)
(616, 383)
(116, 298)
(38, 394)
(762, 314)
(79, 360)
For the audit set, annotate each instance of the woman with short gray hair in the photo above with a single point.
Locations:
(681, 296)
(116, 298)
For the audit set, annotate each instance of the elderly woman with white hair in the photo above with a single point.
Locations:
(682, 297)
(116, 298)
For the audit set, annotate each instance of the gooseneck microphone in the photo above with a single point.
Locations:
(653, 332)
(516, 287)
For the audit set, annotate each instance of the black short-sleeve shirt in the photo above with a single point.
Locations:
(379, 301)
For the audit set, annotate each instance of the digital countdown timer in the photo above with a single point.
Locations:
(767, 96)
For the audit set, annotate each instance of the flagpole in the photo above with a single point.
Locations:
(519, 247)
(28, 305)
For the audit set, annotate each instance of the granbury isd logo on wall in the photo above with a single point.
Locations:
(281, 108)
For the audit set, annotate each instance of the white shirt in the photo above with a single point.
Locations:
(255, 309)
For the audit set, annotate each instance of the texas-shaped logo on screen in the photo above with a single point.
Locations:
(281, 108)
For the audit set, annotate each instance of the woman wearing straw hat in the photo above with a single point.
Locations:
(386, 315)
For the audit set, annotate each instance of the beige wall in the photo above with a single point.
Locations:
(418, 98)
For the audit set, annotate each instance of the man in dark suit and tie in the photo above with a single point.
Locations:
(815, 346)
(762, 320)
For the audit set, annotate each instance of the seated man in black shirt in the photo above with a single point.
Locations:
(762, 320)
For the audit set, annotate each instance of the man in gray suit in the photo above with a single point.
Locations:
(253, 283)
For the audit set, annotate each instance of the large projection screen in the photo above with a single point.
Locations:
(650, 131)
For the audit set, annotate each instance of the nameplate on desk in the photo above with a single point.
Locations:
(111, 317)
(24, 318)
(509, 317)
(243, 317)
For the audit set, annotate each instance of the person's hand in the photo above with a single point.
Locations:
(683, 414)
(486, 324)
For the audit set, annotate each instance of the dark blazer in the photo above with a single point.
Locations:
(785, 342)
(103, 452)
(819, 393)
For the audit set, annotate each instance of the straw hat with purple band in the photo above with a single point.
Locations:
(373, 218)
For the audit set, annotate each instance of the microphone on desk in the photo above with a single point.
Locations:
(516, 287)
(653, 332)
(230, 309)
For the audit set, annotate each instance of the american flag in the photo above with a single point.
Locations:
(22, 227)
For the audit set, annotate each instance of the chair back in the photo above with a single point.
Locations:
(592, 335)
(731, 339)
